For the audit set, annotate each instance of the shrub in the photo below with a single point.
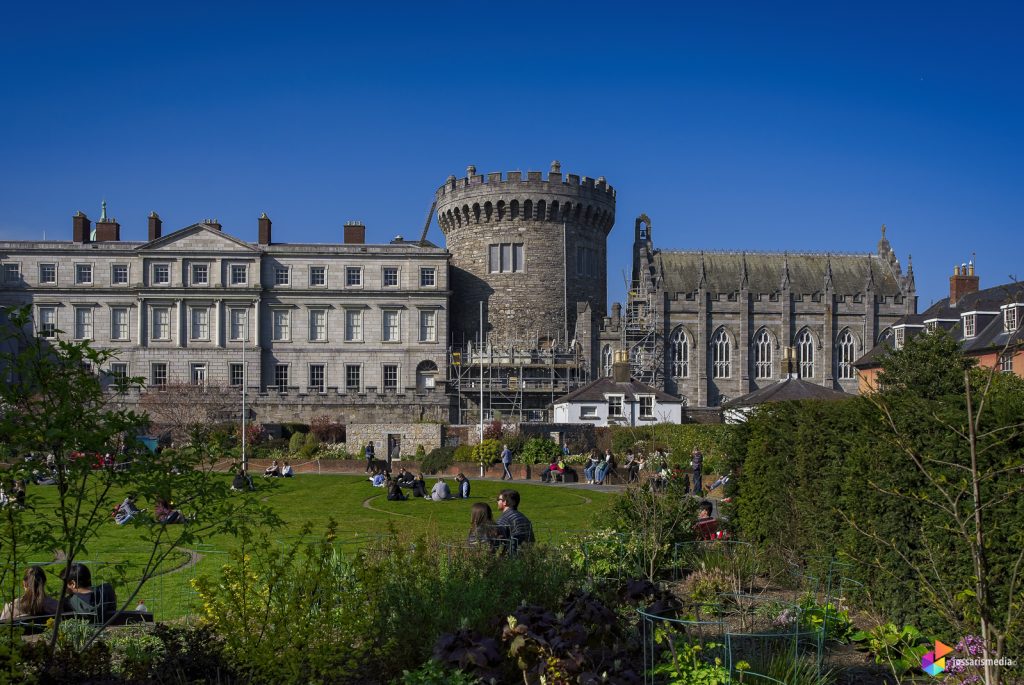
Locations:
(494, 430)
(327, 429)
(296, 443)
(487, 452)
(539, 451)
(420, 452)
(439, 459)
(310, 445)
(463, 453)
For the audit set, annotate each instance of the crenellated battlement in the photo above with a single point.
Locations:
(569, 198)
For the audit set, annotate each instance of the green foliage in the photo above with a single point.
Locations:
(439, 459)
(828, 617)
(486, 452)
(310, 445)
(135, 654)
(900, 649)
(688, 664)
(783, 668)
(421, 452)
(463, 453)
(539, 451)
(290, 429)
(678, 440)
(433, 673)
(296, 443)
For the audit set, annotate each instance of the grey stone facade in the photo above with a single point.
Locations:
(401, 438)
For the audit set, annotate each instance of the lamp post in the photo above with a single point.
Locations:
(245, 339)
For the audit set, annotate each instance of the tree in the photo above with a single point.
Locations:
(180, 411)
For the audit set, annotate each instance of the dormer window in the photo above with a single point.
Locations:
(1010, 318)
(969, 325)
(899, 338)
(929, 326)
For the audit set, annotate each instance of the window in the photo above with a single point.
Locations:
(281, 375)
(586, 261)
(763, 354)
(318, 377)
(239, 324)
(48, 321)
(428, 326)
(588, 411)
(119, 323)
(200, 324)
(200, 274)
(614, 406)
(318, 325)
(428, 277)
(161, 323)
(646, 406)
(281, 275)
(352, 377)
(506, 258)
(680, 354)
(158, 374)
(83, 323)
(1006, 362)
(198, 374)
(239, 274)
(353, 325)
(720, 353)
(317, 275)
(929, 326)
(899, 337)
(805, 354)
(606, 361)
(847, 353)
(1010, 319)
(390, 376)
(236, 374)
(12, 273)
(282, 325)
(83, 274)
(389, 277)
(118, 371)
(161, 274)
(389, 326)
(969, 326)
(353, 276)
(118, 274)
(47, 273)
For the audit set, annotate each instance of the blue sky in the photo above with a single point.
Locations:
(757, 126)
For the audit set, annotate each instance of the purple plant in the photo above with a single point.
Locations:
(960, 674)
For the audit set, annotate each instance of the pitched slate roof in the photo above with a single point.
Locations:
(596, 391)
(788, 390)
(765, 271)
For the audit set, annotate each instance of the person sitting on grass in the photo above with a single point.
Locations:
(404, 478)
(378, 479)
(34, 601)
(242, 481)
(462, 489)
(82, 598)
(126, 511)
(394, 489)
(419, 486)
(286, 471)
(164, 512)
(482, 530)
(440, 491)
(272, 471)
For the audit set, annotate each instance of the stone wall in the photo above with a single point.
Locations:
(357, 435)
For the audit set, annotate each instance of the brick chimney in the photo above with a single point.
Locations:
(107, 230)
(620, 367)
(264, 229)
(355, 233)
(962, 282)
(213, 223)
(80, 227)
(155, 226)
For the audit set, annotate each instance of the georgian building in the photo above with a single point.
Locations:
(308, 328)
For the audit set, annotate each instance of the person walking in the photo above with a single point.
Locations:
(369, 456)
(506, 460)
(513, 525)
(697, 464)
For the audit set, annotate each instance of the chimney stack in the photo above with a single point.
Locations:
(107, 230)
(264, 229)
(80, 227)
(155, 226)
(355, 233)
(962, 282)
(213, 223)
(620, 367)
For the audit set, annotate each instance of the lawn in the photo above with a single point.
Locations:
(361, 511)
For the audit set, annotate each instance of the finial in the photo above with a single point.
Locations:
(785, 270)
(883, 230)
(471, 170)
(263, 215)
(828, 271)
(154, 215)
(103, 211)
(556, 167)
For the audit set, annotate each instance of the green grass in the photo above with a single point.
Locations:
(361, 511)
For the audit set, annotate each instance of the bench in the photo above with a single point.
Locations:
(33, 625)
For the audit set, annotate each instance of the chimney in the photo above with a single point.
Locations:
(107, 230)
(355, 233)
(155, 226)
(80, 226)
(264, 229)
(616, 314)
(620, 367)
(213, 223)
(962, 282)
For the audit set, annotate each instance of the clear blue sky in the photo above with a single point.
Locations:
(775, 126)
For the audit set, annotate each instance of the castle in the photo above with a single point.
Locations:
(509, 316)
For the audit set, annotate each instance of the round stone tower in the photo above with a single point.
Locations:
(530, 248)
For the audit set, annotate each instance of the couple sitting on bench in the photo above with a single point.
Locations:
(82, 599)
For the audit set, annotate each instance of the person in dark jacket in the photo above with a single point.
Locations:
(419, 486)
(82, 598)
(461, 486)
(394, 490)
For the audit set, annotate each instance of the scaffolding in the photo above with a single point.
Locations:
(641, 332)
(517, 383)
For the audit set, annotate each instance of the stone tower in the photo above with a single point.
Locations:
(530, 248)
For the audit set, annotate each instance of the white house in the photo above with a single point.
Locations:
(618, 400)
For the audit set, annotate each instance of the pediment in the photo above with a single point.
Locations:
(197, 238)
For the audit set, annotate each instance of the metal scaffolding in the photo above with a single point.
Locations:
(642, 334)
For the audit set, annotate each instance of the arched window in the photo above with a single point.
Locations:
(805, 354)
(720, 354)
(762, 354)
(426, 375)
(679, 349)
(884, 336)
(606, 361)
(847, 345)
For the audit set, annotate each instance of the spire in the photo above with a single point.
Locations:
(883, 244)
(703, 282)
(744, 281)
(785, 271)
(103, 211)
(871, 273)
(828, 273)
(911, 287)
